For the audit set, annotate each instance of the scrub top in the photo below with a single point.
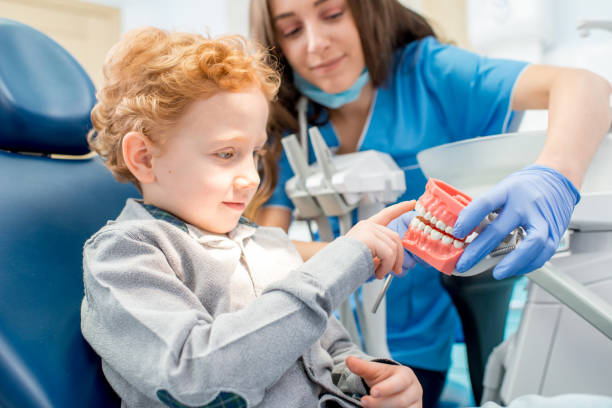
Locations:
(436, 94)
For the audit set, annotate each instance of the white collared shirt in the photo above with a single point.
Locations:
(249, 278)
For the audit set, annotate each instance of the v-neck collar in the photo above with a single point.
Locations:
(329, 130)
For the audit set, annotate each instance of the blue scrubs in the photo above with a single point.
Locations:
(436, 94)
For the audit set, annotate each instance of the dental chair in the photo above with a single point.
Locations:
(49, 206)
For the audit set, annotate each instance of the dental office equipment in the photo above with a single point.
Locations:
(335, 186)
(585, 26)
(555, 350)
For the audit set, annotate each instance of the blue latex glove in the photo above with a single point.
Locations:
(539, 199)
(400, 225)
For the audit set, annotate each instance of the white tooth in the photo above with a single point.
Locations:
(414, 222)
(421, 225)
(447, 240)
(427, 229)
(471, 237)
(457, 244)
(440, 225)
(427, 216)
(449, 230)
(419, 209)
(433, 220)
(435, 234)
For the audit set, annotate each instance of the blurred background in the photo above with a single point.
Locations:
(538, 31)
(543, 31)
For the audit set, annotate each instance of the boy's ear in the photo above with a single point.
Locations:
(137, 154)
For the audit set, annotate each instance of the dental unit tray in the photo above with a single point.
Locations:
(430, 234)
(335, 185)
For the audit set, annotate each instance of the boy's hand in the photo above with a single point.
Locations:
(400, 225)
(390, 385)
(384, 243)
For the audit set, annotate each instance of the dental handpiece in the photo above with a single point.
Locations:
(382, 292)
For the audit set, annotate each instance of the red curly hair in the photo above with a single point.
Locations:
(151, 76)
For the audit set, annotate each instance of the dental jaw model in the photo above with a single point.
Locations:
(430, 234)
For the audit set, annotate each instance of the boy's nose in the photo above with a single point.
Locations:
(249, 178)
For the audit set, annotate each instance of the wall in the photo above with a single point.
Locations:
(86, 30)
(542, 31)
(205, 16)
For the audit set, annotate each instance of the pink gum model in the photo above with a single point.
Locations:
(429, 235)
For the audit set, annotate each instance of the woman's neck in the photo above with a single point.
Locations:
(349, 119)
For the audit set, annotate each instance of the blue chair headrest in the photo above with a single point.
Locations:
(45, 95)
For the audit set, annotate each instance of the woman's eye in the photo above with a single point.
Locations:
(334, 15)
(291, 32)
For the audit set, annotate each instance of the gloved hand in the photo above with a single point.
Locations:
(400, 225)
(538, 198)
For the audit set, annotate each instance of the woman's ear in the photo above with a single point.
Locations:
(137, 154)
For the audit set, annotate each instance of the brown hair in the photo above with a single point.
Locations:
(383, 26)
(150, 78)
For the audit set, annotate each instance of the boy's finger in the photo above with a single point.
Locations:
(398, 248)
(409, 399)
(390, 213)
(388, 250)
(393, 384)
(370, 371)
(376, 262)
(395, 243)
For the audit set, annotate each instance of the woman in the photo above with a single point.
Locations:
(377, 78)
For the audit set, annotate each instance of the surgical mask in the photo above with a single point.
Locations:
(331, 101)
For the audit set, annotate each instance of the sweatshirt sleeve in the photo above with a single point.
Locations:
(337, 342)
(156, 334)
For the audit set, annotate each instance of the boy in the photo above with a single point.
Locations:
(188, 303)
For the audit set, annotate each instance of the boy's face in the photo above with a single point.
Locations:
(206, 171)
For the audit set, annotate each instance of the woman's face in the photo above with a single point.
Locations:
(320, 40)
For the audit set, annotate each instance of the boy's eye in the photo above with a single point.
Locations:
(225, 155)
(258, 154)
